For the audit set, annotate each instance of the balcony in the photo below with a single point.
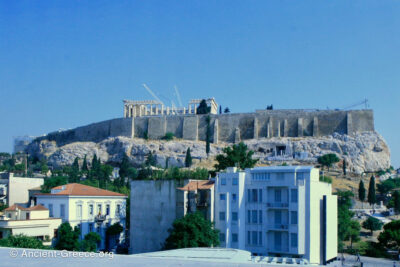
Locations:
(278, 227)
(279, 205)
(100, 218)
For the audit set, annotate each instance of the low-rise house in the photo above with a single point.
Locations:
(91, 209)
(33, 221)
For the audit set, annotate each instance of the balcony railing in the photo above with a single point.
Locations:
(277, 205)
(100, 218)
(281, 226)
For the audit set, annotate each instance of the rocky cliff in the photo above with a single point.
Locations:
(366, 151)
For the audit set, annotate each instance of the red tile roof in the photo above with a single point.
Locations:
(75, 189)
(197, 185)
(15, 206)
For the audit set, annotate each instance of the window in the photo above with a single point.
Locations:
(108, 209)
(221, 237)
(222, 216)
(79, 211)
(260, 195)
(248, 195)
(248, 216)
(51, 210)
(293, 217)
(260, 238)
(9, 215)
(254, 195)
(248, 237)
(278, 195)
(98, 208)
(223, 181)
(293, 195)
(62, 210)
(118, 209)
(99, 229)
(254, 237)
(254, 216)
(235, 181)
(260, 217)
(222, 197)
(300, 175)
(234, 216)
(91, 209)
(234, 238)
(90, 227)
(233, 197)
(293, 240)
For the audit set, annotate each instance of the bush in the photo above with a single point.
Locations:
(325, 179)
(21, 241)
(168, 136)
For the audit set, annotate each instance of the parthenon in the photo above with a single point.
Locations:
(138, 108)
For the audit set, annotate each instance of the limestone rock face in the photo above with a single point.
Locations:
(365, 151)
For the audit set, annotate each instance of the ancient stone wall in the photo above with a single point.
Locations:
(226, 127)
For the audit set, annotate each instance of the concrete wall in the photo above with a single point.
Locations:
(18, 188)
(226, 127)
(153, 210)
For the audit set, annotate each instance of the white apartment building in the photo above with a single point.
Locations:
(91, 209)
(277, 211)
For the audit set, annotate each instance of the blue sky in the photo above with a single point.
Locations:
(65, 64)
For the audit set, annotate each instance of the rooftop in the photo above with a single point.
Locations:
(75, 189)
(34, 208)
(198, 185)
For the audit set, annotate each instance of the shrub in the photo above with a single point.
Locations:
(168, 136)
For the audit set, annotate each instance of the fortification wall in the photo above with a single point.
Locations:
(226, 127)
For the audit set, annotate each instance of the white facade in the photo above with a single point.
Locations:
(32, 221)
(89, 213)
(277, 211)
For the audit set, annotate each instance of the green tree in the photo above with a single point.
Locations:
(344, 167)
(49, 183)
(328, 159)
(74, 171)
(203, 108)
(188, 158)
(150, 160)
(390, 237)
(113, 231)
(168, 136)
(85, 168)
(67, 238)
(192, 231)
(227, 110)
(347, 228)
(208, 135)
(89, 243)
(354, 232)
(361, 191)
(396, 200)
(21, 241)
(238, 156)
(371, 191)
(43, 167)
(124, 166)
(372, 224)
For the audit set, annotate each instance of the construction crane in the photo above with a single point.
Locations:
(178, 96)
(364, 102)
(153, 94)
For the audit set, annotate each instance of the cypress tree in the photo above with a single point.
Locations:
(344, 167)
(85, 165)
(361, 191)
(188, 159)
(371, 191)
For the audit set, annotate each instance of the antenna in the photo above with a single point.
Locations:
(178, 96)
(153, 94)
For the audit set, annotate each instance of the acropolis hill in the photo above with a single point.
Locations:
(273, 134)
